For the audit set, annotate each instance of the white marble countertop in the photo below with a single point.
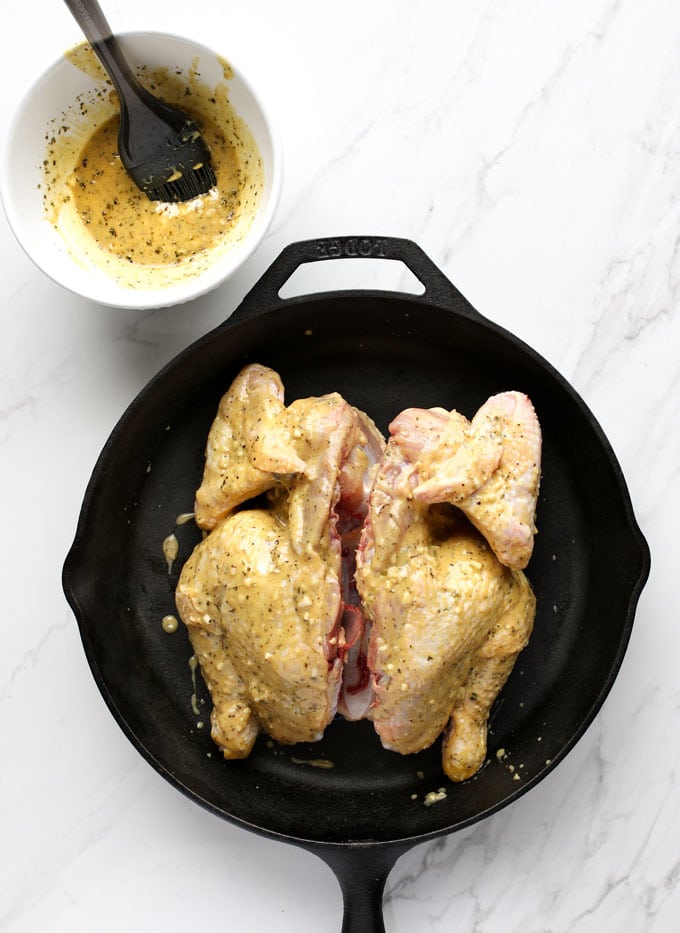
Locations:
(532, 149)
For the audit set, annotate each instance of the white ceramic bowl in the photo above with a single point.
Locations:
(21, 172)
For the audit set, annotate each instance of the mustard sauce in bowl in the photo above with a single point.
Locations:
(124, 222)
(107, 222)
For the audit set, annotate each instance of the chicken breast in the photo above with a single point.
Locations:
(447, 618)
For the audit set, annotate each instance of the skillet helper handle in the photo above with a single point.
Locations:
(362, 873)
(264, 296)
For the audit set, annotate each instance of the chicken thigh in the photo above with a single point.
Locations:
(265, 597)
(447, 617)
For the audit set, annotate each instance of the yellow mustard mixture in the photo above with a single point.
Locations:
(103, 218)
(126, 223)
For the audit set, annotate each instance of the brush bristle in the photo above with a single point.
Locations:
(190, 185)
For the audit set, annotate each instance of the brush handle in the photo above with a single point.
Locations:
(90, 17)
(160, 146)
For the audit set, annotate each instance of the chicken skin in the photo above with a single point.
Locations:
(264, 596)
(447, 617)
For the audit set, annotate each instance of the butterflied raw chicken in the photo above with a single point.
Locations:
(448, 618)
(265, 598)
(313, 524)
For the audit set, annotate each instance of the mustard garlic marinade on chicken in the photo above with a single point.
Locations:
(343, 574)
(264, 596)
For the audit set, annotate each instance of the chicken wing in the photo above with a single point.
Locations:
(248, 445)
(489, 468)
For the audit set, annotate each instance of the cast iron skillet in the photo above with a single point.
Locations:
(383, 351)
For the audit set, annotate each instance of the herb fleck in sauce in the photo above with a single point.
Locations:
(123, 221)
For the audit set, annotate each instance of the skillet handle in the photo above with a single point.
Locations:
(264, 296)
(361, 872)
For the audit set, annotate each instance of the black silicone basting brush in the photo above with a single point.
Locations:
(160, 146)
